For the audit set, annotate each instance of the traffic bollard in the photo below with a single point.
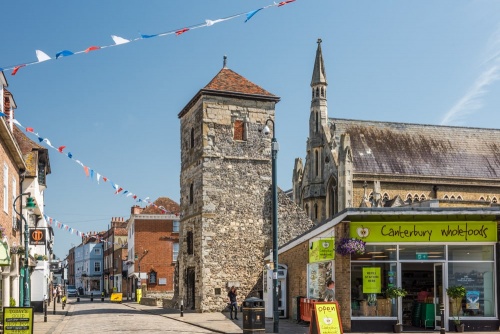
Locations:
(182, 307)
(54, 302)
(102, 296)
(91, 296)
(45, 310)
(78, 298)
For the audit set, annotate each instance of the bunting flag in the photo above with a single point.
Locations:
(89, 172)
(43, 57)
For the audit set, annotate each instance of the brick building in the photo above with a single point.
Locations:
(115, 251)
(153, 245)
(225, 192)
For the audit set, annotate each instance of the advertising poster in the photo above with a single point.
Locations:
(322, 250)
(372, 282)
(326, 319)
(472, 298)
(18, 320)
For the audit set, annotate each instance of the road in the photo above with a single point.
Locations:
(97, 317)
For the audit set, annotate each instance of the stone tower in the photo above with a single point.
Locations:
(225, 176)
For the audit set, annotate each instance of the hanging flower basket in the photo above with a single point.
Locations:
(348, 246)
(17, 249)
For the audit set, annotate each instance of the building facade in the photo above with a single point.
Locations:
(225, 192)
(115, 246)
(153, 246)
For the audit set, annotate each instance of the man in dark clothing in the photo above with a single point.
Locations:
(233, 304)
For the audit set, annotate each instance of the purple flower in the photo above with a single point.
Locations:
(347, 246)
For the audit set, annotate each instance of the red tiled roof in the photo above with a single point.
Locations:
(171, 206)
(229, 81)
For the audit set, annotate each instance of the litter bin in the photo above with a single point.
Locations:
(254, 320)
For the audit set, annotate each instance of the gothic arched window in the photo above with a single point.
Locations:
(322, 92)
(192, 138)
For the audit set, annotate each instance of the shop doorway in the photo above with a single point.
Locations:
(422, 305)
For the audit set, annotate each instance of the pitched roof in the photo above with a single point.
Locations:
(422, 150)
(169, 205)
(27, 147)
(230, 83)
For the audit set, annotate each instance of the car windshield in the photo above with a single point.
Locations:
(71, 287)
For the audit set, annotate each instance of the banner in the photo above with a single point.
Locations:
(322, 250)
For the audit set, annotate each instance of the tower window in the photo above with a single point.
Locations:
(322, 92)
(192, 138)
(191, 193)
(239, 130)
(190, 243)
(316, 161)
(317, 92)
(315, 211)
(317, 122)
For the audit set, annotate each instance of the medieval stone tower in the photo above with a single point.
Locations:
(225, 192)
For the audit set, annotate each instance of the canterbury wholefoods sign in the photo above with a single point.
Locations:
(37, 236)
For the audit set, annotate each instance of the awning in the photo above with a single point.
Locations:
(4, 254)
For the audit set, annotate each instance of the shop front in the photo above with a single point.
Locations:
(425, 256)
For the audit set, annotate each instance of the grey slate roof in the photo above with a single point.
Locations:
(422, 150)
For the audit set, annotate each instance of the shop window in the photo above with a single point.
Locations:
(368, 284)
(376, 253)
(473, 268)
(422, 252)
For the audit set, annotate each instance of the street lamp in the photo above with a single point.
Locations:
(274, 155)
(30, 206)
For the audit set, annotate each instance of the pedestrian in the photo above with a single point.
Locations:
(329, 293)
(54, 293)
(58, 292)
(233, 304)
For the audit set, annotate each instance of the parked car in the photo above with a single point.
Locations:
(71, 290)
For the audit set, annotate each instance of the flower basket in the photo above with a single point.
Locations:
(348, 246)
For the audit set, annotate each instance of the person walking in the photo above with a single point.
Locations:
(233, 303)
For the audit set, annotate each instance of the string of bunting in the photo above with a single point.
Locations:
(89, 172)
(43, 57)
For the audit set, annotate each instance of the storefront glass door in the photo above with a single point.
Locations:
(438, 295)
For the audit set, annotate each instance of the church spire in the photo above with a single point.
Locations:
(319, 75)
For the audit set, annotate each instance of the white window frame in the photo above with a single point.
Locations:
(97, 251)
(14, 195)
(97, 263)
(176, 226)
(175, 251)
(5, 188)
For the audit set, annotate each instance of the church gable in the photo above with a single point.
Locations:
(421, 150)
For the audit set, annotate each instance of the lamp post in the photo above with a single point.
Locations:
(140, 259)
(274, 193)
(30, 205)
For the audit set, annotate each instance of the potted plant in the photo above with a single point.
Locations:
(456, 294)
(393, 292)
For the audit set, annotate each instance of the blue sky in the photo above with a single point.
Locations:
(431, 62)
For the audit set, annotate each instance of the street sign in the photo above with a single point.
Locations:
(37, 236)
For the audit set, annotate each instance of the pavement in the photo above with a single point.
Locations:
(216, 322)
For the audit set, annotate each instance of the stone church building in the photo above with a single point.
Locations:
(226, 228)
(357, 163)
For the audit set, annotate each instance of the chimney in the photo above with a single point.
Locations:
(136, 210)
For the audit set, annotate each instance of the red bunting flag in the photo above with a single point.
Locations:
(86, 169)
(61, 148)
(30, 130)
(92, 48)
(180, 32)
(282, 3)
(14, 71)
(105, 179)
(119, 190)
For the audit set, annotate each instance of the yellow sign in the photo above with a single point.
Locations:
(18, 320)
(138, 294)
(429, 231)
(371, 280)
(326, 319)
(116, 297)
(322, 250)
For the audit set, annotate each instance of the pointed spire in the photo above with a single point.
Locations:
(319, 75)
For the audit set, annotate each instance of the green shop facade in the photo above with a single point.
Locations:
(424, 251)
